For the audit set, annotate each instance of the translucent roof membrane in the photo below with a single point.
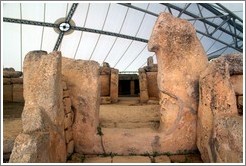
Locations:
(110, 32)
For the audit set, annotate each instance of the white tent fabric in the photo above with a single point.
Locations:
(124, 54)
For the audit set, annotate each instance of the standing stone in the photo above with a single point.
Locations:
(114, 80)
(181, 58)
(18, 93)
(105, 85)
(132, 87)
(83, 82)
(143, 85)
(42, 88)
(219, 127)
(8, 93)
(150, 61)
(152, 85)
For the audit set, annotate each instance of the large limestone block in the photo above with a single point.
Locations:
(105, 85)
(8, 93)
(216, 100)
(143, 85)
(42, 88)
(31, 148)
(237, 83)
(17, 80)
(114, 81)
(181, 58)
(152, 84)
(18, 93)
(82, 79)
(12, 74)
(7, 81)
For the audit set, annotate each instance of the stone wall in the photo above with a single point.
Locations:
(220, 120)
(42, 139)
(12, 85)
(109, 84)
(148, 82)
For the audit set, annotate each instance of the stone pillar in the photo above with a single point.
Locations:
(150, 61)
(132, 87)
(143, 85)
(83, 82)
(181, 58)
(114, 82)
(43, 115)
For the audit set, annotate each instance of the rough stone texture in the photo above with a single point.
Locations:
(17, 80)
(70, 148)
(181, 58)
(68, 120)
(105, 100)
(69, 134)
(162, 159)
(7, 93)
(114, 80)
(42, 89)
(105, 70)
(105, 85)
(18, 93)
(31, 148)
(240, 104)
(66, 94)
(143, 85)
(7, 81)
(82, 79)
(153, 90)
(12, 74)
(219, 127)
(237, 83)
(98, 160)
(132, 87)
(131, 159)
(67, 105)
(150, 61)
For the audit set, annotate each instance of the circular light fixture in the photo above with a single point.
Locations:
(64, 26)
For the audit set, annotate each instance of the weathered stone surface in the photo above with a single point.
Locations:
(152, 68)
(150, 61)
(143, 85)
(70, 148)
(8, 69)
(97, 160)
(105, 64)
(68, 120)
(69, 134)
(105, 100)
(42, 88)
(8, 145)
(83, 82)
(162, 159)
(8, 93)
(216, 101)
(34, 120)
(67, 105)
(237, 83)
(7, 81)
(240, 104)
(12, 74)
(181, 58)
(153, 90)
(66, 94)
(105, 85)
(235, 63)
(132, 87)
(18, 93)
(31, 148)
(17, 80)
(114, 80)
(64, 85)
(131, 159)
(105, 70)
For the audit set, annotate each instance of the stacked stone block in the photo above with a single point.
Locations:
(12, 85)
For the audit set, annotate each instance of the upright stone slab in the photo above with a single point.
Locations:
(219, 126)
(153, 90)
(105, 85)
(114, 81)
(43, 93)
(82, 79)
(143, 85)
(181, 58)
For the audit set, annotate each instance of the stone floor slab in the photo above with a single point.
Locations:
(98, 160)
(131, 159)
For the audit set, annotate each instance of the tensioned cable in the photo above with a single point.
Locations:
(42, 36)
(65, 17)
(117, 37)
(100, 34)
(134, 36)
(88, 8)
(21, 35)
(136, 57)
